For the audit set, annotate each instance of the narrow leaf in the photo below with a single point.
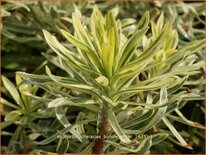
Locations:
(116, 127)
(174, 131)
(12, 90)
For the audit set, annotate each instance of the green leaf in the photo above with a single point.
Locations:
(56, 46)
(87, 103)
(142, 148)
(41, 99)
(88, 148)
(184, 120)
(149, 122)
(13, 116)
(61, 116)
(70, 83)
(116, 127)
(43, 82)
(163, 95)
(193, 96)
(154, 29)
(80, 30)
(162, 102)
(188, 121)
(84, 47)
(66, 54)
(36, 78)
(137, 121)
(128, 49)
(19, 28)
(63, 131)
(192, 47)
(143, 59)
(158, 138)
(174, 131)
(7, 103)
(5, 124)
(18, 5)
(160, 23)
(153, 117)
(12, 90)
(141, 28)
(144, 21)
(108, 58)
(153, 85)
(97, 26)
(177, 85)
(62, 146)
(111, 26)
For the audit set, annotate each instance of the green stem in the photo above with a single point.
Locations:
(14, 137)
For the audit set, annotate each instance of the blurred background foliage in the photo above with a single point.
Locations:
(23, 46)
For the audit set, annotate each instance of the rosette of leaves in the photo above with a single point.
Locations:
(19, 110)
(131, 86)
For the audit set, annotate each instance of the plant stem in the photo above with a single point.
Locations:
(103, 129)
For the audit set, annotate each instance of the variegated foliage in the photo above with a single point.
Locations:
(138, 81)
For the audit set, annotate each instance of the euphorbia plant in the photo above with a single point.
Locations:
(131, 85)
